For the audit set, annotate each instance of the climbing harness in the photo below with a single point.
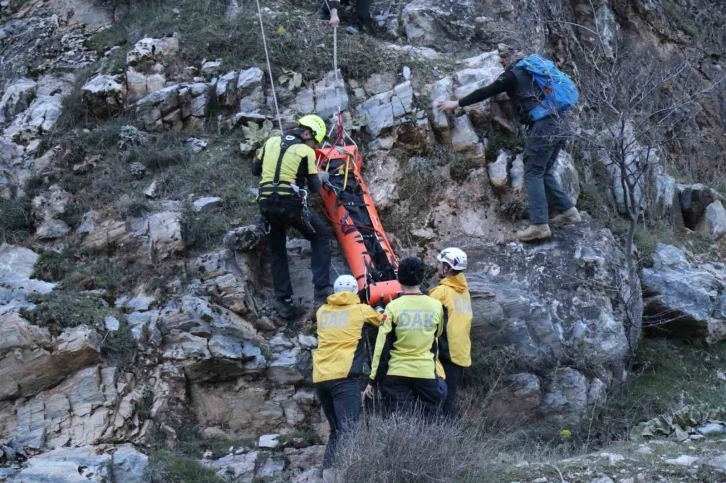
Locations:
(269, 68)
(306, 215)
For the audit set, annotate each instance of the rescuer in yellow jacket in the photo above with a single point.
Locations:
(339, 359)
(455, 343)
(404, 362)
(286, 166)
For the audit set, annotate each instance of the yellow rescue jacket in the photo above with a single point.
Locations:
(453, 293)
(298, 161)
(342, 337)
(407, 343)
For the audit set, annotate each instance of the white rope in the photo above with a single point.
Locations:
(269, 68)
(335, 67)
(338, 80)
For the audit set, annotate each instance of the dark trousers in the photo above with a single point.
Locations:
(362, 10)
(341, 401)
(412, 394)
(544, 141)
(454, 375)
(280, 221)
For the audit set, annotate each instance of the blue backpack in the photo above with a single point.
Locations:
(560, 93)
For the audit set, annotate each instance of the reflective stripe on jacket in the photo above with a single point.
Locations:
(453, 293)
(342, 339)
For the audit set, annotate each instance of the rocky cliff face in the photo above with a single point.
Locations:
(207, 350)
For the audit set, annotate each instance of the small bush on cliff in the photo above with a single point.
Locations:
(202, 231)
(53, 266)
(163, 151)
(120, 346)
(61, 310)
(81, 270)
(15, 222)
(168, 467)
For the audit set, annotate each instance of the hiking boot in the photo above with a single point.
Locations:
(534, 232)
(321, 295)
(569, 217)
(284, 308)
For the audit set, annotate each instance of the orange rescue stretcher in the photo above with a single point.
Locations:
(357, 225)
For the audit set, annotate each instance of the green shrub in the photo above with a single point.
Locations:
(80, 270)
(168, 467)
(499, 139)
(156, 159)
(61, 310)
(74, 113)
(647, 238)
(143, 409)
(490, 365)
(15, 221)
(418, 182)
(33, 186)
(666, 374)
(202, 231)
(300, 438)
(405, 448)
(136, 208)
(53, 266)
(460, 167)
(120, 347)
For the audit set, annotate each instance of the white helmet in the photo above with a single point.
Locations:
(345, 283)
(454, 257)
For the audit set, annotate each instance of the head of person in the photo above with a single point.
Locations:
(508, 54)
(411, 272)
(345, 283)
(311, 129)
(452, 261)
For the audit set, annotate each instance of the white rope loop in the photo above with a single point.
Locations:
(269, 68)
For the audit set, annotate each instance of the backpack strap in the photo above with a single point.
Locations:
(285, 144)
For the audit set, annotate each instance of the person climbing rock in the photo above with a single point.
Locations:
(545, 138)
(404, 361)
(343, 323)
(362, 20)
(286, 164)
(455, 342)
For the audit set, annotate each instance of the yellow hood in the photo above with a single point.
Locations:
(458, 282)
(343, 298)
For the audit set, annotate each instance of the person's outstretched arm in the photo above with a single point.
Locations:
(371, 316)
(505, 82)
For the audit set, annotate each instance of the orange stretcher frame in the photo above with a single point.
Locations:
(376, 293)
